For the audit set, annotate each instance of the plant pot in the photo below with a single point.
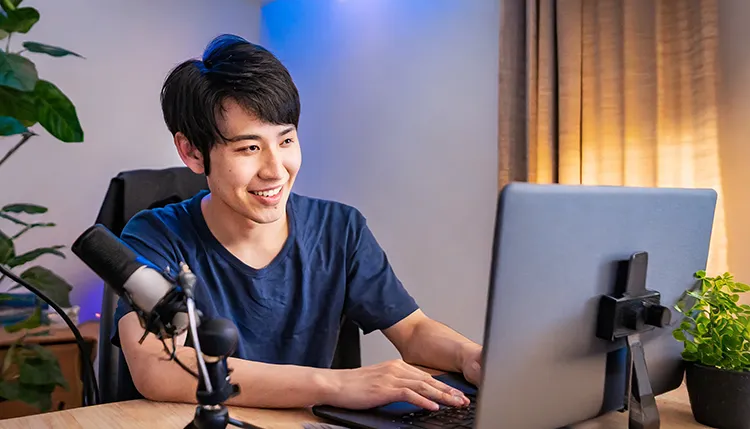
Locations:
(719, 398)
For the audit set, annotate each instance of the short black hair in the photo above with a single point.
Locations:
(193, 93)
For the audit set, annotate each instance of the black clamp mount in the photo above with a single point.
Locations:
(631, 311)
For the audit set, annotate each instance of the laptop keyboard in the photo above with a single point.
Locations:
(444, 418)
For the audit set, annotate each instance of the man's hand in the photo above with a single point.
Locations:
(393, 381)
(471, 362)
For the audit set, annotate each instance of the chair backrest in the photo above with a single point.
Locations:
(130, 192)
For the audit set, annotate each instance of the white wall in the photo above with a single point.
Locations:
(399, 118)
(129, 47)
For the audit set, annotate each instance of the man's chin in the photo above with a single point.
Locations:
(266, 215)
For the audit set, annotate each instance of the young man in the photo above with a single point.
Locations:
(283, 267)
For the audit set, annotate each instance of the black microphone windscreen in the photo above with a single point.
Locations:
(108, 256)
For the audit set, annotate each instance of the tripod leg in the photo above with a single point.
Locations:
(241, 424)
(643, 411)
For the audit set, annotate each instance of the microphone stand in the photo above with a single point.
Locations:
(214, 341)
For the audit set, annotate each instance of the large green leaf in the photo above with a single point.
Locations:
(41, 372)
(17, 72)
(20, 20)
(54, 51)
(56, 288)
(56, 113)
(18, 104)
(24, 208)
(33, 254)
(11, 126)
(39, 396)
(7, 250)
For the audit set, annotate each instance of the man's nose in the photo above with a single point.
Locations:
(272, 167)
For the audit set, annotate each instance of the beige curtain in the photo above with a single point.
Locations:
(612, 92)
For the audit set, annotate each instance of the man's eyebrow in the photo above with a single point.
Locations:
(242, 137)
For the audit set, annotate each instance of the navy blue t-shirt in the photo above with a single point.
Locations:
(288, 312)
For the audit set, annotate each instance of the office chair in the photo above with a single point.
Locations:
(130, 192)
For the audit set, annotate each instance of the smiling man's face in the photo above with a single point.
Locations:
(254, 172)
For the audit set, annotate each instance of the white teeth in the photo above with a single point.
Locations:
(270, 193)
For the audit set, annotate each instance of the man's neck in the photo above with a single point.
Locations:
(253, 243)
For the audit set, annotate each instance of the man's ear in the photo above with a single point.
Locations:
(191, 156)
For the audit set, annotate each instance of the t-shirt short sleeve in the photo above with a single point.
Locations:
(146, 235)
(376, 299)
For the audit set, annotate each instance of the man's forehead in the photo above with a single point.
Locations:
(236, 120)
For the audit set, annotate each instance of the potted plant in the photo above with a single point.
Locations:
(29, 373)
(715, 331)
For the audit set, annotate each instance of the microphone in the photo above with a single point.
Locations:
(157, 298)
(165, 306)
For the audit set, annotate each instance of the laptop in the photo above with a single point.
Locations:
(556, 251)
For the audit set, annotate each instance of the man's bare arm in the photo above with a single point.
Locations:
(426, 342)
(261, 385)
(278, 386)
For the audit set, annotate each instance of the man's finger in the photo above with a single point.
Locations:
(447, 389)
(425, 389)
(437, 384)
(405, 394)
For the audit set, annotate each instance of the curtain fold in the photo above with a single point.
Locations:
(612, 92)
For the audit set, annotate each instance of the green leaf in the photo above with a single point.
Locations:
(740, 287)
(33, 254)
(702, 329)
(689, 356)
(10, 390)
(7, 249)
(686, 324)
(24, 208)
(679, 335)
(700, 274)
(54, 51)
(9, 356)
(34, 321)
(9, 5)
(57, 289)
(56, 113)
(11, 126)
(18, 104)
(20, 20)
(37, 396)
(17, 72)
(41, 372)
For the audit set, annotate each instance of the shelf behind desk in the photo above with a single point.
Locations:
(62, 344)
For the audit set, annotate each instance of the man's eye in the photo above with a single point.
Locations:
(288, 141)
(251, 148)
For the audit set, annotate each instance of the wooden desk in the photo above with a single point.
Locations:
(674, 409)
